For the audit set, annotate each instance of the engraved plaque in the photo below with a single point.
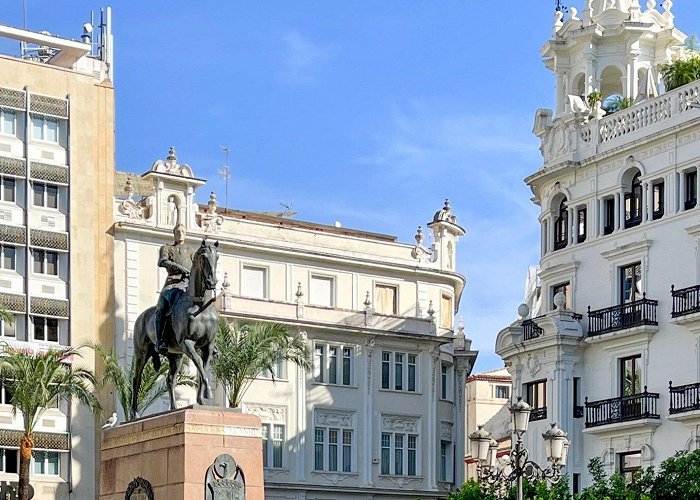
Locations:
(224, 480)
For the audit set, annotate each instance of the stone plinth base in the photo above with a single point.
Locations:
(173, 451)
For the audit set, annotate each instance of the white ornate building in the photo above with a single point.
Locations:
(620, 228)
(381, 414)
(56, 159)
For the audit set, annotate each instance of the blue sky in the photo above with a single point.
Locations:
(364, 112)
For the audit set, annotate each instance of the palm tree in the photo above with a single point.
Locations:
(681, 72)
(153, 382)
(35, 380)
(245, 350)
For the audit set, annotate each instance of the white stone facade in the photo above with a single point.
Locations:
(376, 315)
(620, 226)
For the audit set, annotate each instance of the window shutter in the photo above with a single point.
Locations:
(253, 282)
(321, 293)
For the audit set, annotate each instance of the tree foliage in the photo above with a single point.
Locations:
(153, 382)
(681, 72)
(247, 349)
(36, 380)
(678, 478)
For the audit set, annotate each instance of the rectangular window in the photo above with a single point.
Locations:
(7, 193)
(322, 290)
(276, 371)
(8, 257)
(7, 329)
(399, 454)
(399, 371)
(444, 454)
(45, 262)
(657, 200)
(502, 392)
(446, 311)
(581, 220)
(631, 375)
(629, 465)
(45, 195)
(609, 211)
(44, 129)
(385, 299)
(5, 394)
(45, 329)
(266, 445)
(334, 364)
(576, 483)
(254, 282)
(46, 463)
(9, 461)
(8, 122)
(277, 445)
(578, 408)
(333, 449)
(691, 189)
(536, 394)
(566, 290)
(630, 283)
(443, 381)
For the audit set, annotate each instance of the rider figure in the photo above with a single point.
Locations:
(177, 260)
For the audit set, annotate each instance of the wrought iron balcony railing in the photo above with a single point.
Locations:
(685, 301)
(611, 319)
(538, 414)
(622, 409)
(684, 398)
(531, 330)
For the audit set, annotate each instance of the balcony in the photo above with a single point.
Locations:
(685, 301)
(531, 330)
(622, 317)
(622, 409)
(538, 414)
(684, 398)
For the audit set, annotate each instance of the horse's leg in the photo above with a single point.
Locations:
(140, 358)
(206, 356)
(174, 365)
(188, 346)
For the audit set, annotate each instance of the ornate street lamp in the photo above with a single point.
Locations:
(519, 465)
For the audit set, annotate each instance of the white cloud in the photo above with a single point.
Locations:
(301, 58)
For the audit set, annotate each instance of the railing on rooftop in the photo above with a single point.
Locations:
(611, 319)
(622, 409)
(685, 301)
(683, 398)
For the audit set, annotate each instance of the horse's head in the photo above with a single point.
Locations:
(204, 266)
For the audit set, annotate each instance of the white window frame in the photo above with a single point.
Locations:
(4, 326)
(45, 128)
(403, 450)
(3, 181)
(323, 363)
(45, 460)
(3, 249)
(405, 365)
(446, 381)
(395, 310)
(445, 461)
(3, 459)
(279, 371)
(268, 444)
(326, 277)
(557, 275)
(4, 399)
(342, 423)
(266, 280)
(495, 391)
(4, 113)
(44, 263)
(44, 195)
(46, 329)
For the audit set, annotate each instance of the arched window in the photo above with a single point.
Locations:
(561, 227)
(633, 203)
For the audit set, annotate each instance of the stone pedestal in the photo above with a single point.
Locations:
(172, 451)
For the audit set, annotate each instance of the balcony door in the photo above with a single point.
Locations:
(630, 386)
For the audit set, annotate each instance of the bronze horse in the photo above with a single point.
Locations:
(191, 326)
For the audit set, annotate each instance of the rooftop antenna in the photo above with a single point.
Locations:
(225, 173)
(23, 45)
(560, 7)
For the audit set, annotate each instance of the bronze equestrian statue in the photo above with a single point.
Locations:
(185, 321)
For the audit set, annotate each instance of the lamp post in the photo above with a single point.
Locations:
(485, 450)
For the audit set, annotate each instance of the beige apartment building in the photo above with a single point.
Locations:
(381, 413)
(56, 176)
(488, 397)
